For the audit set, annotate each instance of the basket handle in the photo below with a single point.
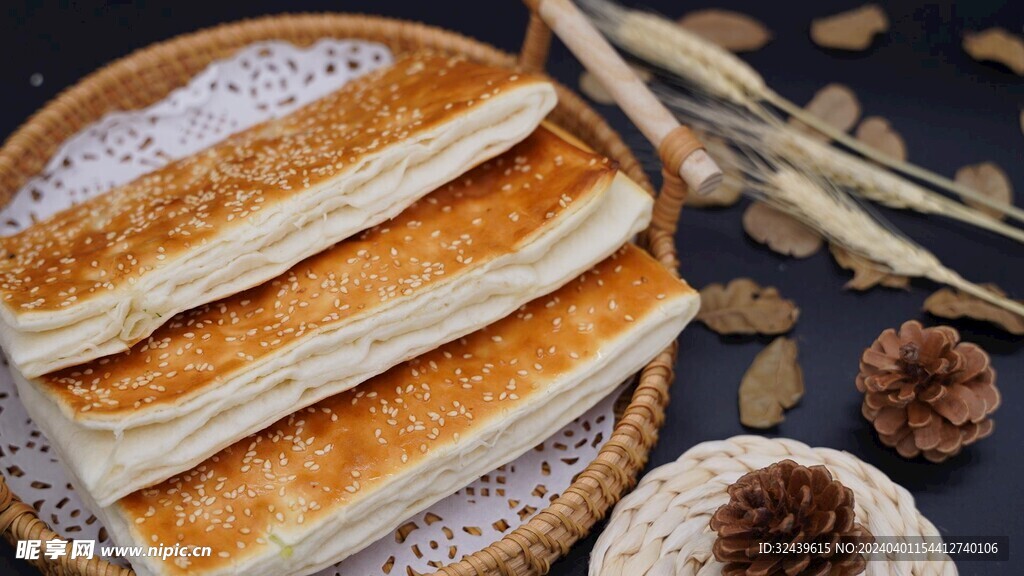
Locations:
(686, 165)
(536, 44)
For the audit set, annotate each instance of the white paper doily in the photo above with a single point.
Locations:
(258, 83)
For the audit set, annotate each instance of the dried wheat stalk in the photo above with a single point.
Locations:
(871, 182)
(864, 178)
(700, 63)
(785, 180)
(666, 45)
(850, 226)
(844, 222)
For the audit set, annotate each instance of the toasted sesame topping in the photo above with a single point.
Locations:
(108, 243)
(449, 232)
(275, 493)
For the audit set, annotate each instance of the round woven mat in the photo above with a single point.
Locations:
(661, 529)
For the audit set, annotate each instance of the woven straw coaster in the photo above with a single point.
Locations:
(661, 529)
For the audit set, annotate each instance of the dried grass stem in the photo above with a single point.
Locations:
(666, 45)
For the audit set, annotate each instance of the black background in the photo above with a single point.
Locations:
(950, 110)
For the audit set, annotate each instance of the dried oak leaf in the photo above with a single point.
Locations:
(743, 307)
(836, 104)
(851, 30)
(989, 180)
(949, 303)
(866, 274)
(997, 45)
(773, 382)
(730, 190)
(780, 231)
(876, 132)
(592, 87)
(733, 31)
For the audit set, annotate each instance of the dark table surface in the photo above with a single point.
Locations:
(950, 110)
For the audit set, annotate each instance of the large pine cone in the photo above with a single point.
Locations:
(926, 392)
(786, 503)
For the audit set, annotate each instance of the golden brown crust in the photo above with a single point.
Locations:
(111, 241)
(491, 211)
(324, 457)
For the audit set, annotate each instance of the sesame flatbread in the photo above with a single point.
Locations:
(97, 278)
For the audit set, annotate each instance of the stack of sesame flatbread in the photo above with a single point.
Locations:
(398, 288)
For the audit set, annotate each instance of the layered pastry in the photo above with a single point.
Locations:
(516, 227)
(326, 481)
(97, 278)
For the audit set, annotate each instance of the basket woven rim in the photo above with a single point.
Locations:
(149, 74)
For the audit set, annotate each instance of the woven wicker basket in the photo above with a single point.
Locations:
(148, 75)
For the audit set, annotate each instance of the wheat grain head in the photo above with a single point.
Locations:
(862, 177)
(665, 44)
(870, 181)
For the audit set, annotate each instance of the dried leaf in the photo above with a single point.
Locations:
(773, 382)
(780, 231)
(876, 132)
(850, 30)
(733, 31)
(866, 274)
(949, 303)
(991, 181)
(743, 307)
(730, 190)
(592, 87)
(836, 104)
(997, 45)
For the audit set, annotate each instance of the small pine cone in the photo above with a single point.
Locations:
(787, 503)
(926, 392)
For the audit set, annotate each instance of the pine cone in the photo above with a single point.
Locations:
(787, 503)
(926, 392)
